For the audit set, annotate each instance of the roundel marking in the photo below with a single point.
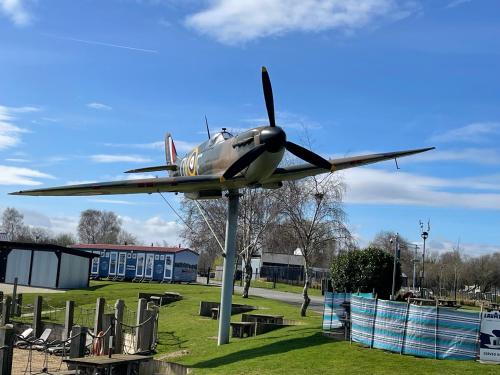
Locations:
(192, 161)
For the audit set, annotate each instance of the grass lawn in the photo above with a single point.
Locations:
(284, 287)
(299, 349)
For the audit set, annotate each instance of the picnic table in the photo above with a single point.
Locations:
(262, 318)
(448, 303)
(117, 364)
(423, 302)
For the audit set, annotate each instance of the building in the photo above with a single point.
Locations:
(44, 265)
(282, 266)
(142, 263)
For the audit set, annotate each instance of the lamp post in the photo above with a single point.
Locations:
(415, 267)
(424, 234)
(396, 248)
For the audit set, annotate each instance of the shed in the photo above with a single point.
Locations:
(44, 265)
(142, 263)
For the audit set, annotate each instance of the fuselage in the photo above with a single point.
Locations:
(214, 156)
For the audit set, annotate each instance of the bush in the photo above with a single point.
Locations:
(365, 270)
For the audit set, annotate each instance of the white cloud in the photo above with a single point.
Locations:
(106, 158)
(15, 10)
(237, 21)
(17, 160)
(486, 156)
(181, 146)
(476, 132)
(456, 3)
(111, 201)
(374, 186)
(99, 106)
(10, 134)
(21, 176)
(154, 229)
(466, 248)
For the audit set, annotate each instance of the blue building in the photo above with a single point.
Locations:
(142, 263)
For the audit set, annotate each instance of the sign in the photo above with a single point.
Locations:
(3, 236)
(489, 349)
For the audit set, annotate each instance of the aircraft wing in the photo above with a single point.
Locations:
(305, 170)
(148, 185)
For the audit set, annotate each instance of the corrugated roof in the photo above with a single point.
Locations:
(45, 247)
(132, 248)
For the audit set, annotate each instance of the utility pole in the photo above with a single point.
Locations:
(415, 267)
(396, 248)
(424, 234)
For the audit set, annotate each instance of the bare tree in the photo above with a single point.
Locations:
(205, 230)
(12, 223)
(314, 210)
(98, 227)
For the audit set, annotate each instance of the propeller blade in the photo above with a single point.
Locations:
(244, 161)
(308, 155)
(268, 96)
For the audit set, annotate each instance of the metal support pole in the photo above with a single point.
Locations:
(396, 245)
(228, 271)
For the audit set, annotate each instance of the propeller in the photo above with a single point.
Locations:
(307, 155)
(244, 161)
(273, 139)
(268, 96)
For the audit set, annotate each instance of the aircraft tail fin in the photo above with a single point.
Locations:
(170, 151)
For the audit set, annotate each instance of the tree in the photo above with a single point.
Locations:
(99, 227)
(314, 212)
(64, 239)
(257, 209)
(12, 223)
(365, 270)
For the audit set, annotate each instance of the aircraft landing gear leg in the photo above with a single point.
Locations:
(228, 271)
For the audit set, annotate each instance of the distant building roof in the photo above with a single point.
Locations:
(44, 247)
(132, 248)
(294, 260)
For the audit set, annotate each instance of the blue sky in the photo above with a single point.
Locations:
(88, 89)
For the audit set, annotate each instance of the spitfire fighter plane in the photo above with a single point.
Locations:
(226, 162)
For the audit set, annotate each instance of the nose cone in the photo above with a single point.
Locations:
(273, 137)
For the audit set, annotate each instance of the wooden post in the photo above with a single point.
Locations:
(37, 316)
(1, 300)
(18, 304)
(77, 345)
(13, 307)
(68, 319)
(141, 311)
(6, 310)
(99, 312)
(119, 309)
(106, 323)
(7, 349)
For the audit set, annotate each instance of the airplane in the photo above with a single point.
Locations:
(227, 163)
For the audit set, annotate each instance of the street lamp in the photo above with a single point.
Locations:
(424, 234)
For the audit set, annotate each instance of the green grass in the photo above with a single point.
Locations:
(298, 349)
(282, 287)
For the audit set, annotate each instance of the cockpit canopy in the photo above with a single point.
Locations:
(220, 137)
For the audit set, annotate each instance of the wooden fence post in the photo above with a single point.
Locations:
(13, 308)
(18, 304)
(68, 319)
(119, 309)
(99, 312)
(141, 311)
(7, 301)
(6, 349)
(77, 345)
(37, 316)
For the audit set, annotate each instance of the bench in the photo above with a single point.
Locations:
(243, 329)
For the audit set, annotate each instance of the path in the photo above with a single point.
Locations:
(287, 297)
